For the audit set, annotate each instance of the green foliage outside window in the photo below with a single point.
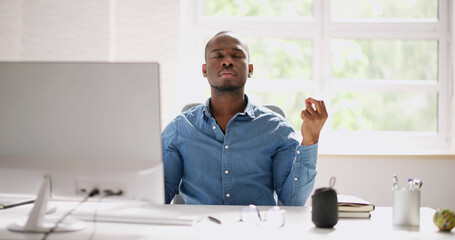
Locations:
(384, 111)
(384, 59)
(388, 59)
(280, 58)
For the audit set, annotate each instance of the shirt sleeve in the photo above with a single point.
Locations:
(294, 173)
(173, 162)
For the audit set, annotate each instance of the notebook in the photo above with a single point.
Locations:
(349, 203)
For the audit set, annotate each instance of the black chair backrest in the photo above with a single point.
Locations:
(269, 106)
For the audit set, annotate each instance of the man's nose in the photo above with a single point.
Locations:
(227, 62)
(228, 65)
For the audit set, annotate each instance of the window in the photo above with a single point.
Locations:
(382, 66)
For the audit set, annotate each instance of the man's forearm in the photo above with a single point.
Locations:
(300, 182)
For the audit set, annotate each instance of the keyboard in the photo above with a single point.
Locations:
(135, 215)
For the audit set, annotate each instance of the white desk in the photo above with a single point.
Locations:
(298, 226)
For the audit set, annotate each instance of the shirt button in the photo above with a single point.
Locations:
(226, 147)
(298, 151)
(228, 195)
(296, 179)
(227, 171)
(214, 127)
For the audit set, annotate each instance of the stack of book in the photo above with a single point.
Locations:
(353, 207)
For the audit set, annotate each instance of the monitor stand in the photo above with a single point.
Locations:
(37, 223)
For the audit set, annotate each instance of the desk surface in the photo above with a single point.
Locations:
(298, 224)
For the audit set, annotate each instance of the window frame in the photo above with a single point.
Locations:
(320, 29)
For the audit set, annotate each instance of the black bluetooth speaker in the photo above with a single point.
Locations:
(325, 208)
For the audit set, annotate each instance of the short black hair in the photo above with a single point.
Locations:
(228, 33)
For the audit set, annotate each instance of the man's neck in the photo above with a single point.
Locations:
(227, 104)
(224, 107)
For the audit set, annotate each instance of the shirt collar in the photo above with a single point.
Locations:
(248, 111)
(206, 109)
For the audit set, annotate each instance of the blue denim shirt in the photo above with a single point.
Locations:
(258, 154)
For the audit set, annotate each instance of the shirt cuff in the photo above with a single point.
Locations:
(307, 153)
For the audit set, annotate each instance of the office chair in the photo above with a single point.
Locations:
(269, 106)
(177, 198)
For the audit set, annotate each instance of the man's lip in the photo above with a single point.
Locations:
(226, 73)
(231, 74)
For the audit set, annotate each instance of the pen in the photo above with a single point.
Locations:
(395, 187)
(417, 184)
(16, 204)
(214, 220)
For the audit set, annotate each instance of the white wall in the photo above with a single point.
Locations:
(370, 177)
(101, 30)
(150, 31)
(49, 30)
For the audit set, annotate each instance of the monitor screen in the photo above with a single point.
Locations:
(84, 124)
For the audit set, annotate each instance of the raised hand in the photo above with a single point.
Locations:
(313, 120)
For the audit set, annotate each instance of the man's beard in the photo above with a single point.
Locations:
(227, 87)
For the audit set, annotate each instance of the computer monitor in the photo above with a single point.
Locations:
(85, 125)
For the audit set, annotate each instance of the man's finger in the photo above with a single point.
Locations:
(324, 110)
(309, 101)
(318, 106)
(305, 114)
(309, 108)
(317, 103)
(321, 110)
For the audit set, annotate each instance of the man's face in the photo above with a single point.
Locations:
(226, 67)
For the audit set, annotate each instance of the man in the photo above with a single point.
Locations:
(230, 151)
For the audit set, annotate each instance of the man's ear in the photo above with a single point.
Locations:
(250, 70)
(204, 70)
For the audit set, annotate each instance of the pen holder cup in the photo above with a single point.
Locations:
(406, 208)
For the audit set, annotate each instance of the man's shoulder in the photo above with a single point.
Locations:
(190, 108)
(192, 113)
(265, 111)
(274, 123)
(182, 121)
(269, 118)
